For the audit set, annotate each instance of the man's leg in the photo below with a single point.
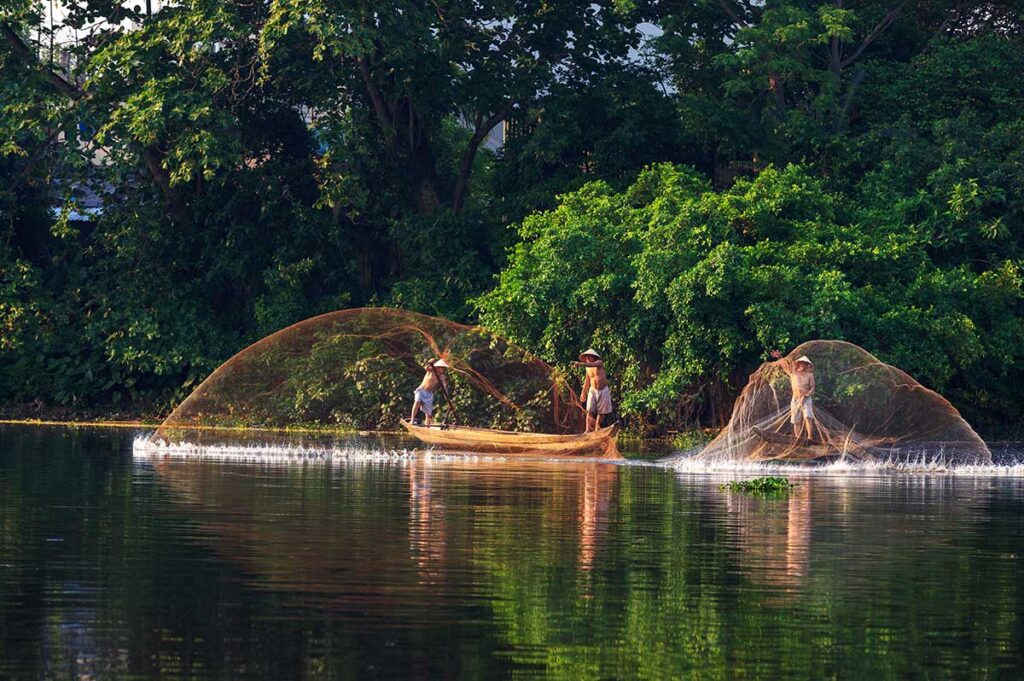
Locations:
(814, 429)
(590, 422)
(597, 422)
(807, 416)
(415, 408)
(428, 417)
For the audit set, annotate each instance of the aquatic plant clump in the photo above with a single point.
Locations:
(860, 409)
(767, 486)
(356, 370)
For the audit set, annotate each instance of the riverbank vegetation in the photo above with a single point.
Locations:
(685, 185)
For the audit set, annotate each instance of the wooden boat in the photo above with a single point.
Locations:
(789, 447)
(486, 441)
(786, 439)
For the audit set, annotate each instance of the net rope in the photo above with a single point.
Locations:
(861, 409)
(356, 370)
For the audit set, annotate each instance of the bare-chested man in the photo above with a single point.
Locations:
(801, 405)
(435, 374)
(595, 391)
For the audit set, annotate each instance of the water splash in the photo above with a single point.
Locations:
(1007, 463)
(144, 447)
(1009, 460)
(348, 452)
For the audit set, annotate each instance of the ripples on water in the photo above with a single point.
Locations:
(367, 558)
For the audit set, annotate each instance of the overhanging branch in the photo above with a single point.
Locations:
(151, 156)
(19, 47)
(879, 28)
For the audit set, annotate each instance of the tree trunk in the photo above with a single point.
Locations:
(175, 204)
(423, 176)
(480, 132)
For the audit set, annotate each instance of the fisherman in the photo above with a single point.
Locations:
(435, 374)
(801, 405)
(595, 393)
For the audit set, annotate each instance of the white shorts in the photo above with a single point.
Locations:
(599, 401)
(801, 407)
(426, 399)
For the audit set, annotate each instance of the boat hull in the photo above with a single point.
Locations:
(783, 447)
(600, 443)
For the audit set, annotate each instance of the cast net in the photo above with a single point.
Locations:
(357, 369)
(860, 408)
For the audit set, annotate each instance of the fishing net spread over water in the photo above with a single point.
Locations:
(357, 369)
(860, 408)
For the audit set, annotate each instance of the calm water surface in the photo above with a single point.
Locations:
(116, 566)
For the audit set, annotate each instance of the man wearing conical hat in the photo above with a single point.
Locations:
(595, 391)
(435, 375)
(801, 405)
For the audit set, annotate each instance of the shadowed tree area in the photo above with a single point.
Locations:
(686, 184)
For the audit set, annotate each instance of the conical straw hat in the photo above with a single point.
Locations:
(441, 364)
(590, 351)
(805, 358)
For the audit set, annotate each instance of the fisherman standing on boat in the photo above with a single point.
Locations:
(595, 391)
(435, 374)
(801, 405)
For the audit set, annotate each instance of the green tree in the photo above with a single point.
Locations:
(708, 282)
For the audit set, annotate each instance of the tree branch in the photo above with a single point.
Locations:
(466, 166)
(835, 58)
(954, 15)
(879, 28)
(19, 47)
(150, 154)
(380, 107)
(151, 157)
(727, 7)
(775, 83)
(840, 120)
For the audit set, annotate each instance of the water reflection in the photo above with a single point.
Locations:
(445, 569)
(783, 542)
(773, 535)
(427, 527)
(323, 530)
(599, 485)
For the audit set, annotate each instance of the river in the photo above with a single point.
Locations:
(386, 563)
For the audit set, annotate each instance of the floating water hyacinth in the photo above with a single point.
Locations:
(764, 487)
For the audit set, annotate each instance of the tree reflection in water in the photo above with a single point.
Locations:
(439, 569)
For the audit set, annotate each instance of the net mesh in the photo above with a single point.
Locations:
(356, 370)
(861, 408)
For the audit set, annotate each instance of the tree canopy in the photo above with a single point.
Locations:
(689, 184)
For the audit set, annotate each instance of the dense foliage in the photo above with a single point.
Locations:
(813, 168)
(686, 288)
